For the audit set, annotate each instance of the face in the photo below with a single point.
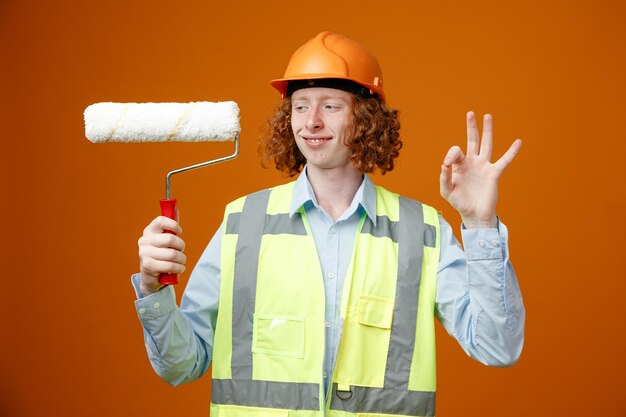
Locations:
(321, 121)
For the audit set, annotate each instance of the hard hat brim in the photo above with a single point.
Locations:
(282, 83)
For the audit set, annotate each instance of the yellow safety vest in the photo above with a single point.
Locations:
(269, 339)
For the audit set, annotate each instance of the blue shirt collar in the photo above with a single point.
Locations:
(365, 197)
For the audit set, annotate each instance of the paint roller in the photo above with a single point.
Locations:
(165, 122)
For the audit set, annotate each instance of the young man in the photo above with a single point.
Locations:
(319, 296)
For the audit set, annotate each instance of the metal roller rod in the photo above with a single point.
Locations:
(200, 165)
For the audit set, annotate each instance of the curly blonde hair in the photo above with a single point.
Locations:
(375, 139)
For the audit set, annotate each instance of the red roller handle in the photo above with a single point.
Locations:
(168, 209)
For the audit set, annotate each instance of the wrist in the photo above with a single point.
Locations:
(149, 290)
(479, 223)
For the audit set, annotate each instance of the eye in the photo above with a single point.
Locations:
(333, 106)
(299, 108)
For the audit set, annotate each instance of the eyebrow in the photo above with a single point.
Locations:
(322, 97)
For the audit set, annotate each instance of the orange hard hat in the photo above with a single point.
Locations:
(330, 56)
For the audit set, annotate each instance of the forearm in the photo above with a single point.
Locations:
(175, 351)
(180, 341)
(478, 298)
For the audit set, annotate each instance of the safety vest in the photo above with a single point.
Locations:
(269, 339)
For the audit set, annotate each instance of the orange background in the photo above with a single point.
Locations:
(552, 73)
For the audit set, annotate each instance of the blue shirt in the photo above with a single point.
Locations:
(478, 299)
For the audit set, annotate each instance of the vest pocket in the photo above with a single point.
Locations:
(278, 335)
(375, 311)
(365, 342)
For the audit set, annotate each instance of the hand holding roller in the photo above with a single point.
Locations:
(165, 122)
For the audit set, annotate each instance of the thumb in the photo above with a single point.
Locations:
(445, 182)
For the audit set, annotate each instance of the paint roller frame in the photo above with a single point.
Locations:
(169, 175)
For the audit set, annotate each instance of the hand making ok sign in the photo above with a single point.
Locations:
(470, 182)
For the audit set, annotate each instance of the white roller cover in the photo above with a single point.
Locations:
(162, 122)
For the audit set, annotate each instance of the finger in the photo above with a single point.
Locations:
(454, 156)
(169, 255)
(149, 255)
(486, 142)
(472, 134)
(508, 156)
(445, 182)
(154, 267)
(163, 224)
(162, 240)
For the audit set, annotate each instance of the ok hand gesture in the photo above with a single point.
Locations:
(470, 182)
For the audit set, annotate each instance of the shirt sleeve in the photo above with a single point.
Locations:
(179, 341)
(479, 301)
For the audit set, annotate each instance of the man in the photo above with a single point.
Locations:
(318, 296)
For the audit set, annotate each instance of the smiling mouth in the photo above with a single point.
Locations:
(312, 140)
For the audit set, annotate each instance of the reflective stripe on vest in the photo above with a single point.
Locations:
(411, 235)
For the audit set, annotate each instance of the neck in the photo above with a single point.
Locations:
(334, 188)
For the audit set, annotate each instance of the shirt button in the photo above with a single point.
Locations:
(156, 305)
(495, 243)
(328, 324)
(325, 375)
(332, 230)
(142, 310)
(482, 244)
(331, 275)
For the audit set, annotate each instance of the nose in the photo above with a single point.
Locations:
(314, 121)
